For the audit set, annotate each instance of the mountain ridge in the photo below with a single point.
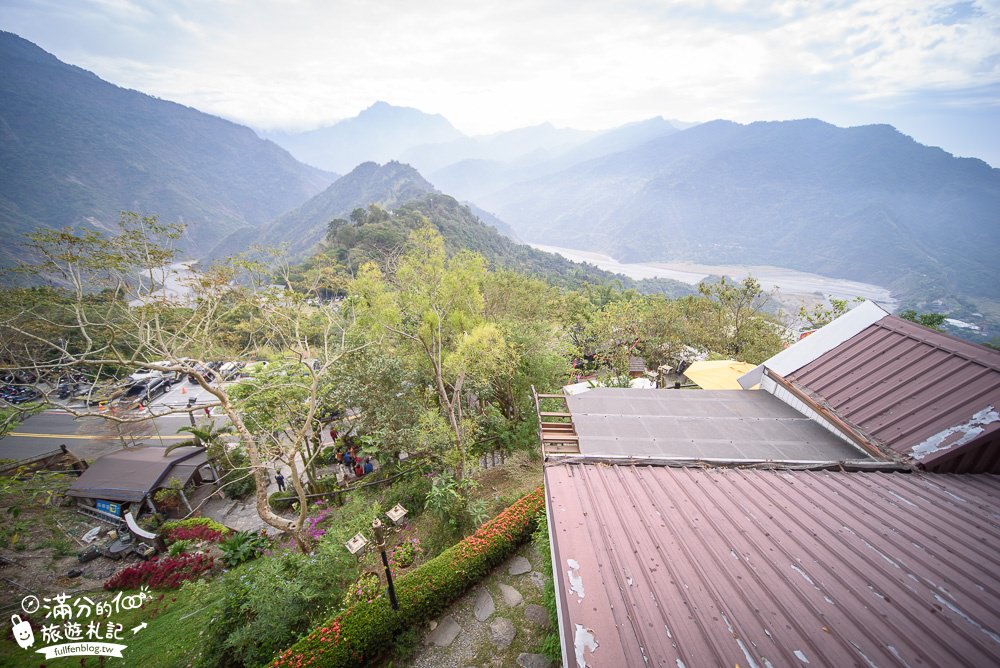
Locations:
(76, 150)
(388, 185)
(865, 203)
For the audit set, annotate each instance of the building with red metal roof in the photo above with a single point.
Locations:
(815, 522)
(690, 567)
(889, 385)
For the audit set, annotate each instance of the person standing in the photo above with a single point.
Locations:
(280, 479)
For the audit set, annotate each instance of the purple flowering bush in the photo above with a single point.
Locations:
(404, 554)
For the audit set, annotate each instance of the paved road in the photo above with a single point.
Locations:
(91, 436)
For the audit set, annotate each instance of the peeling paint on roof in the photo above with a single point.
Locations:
(584, 640)
(911, 391)
(575, 579)
(895, 653)
(967, 431)
(961, 613)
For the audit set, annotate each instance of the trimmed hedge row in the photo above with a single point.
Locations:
(366, 630)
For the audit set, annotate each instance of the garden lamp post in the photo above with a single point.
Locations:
(380, 543)
(358, 543)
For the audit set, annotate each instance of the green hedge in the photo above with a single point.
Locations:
(366, 630)
(193, 522)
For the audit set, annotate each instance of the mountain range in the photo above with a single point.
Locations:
(864, 203)
(76, 150)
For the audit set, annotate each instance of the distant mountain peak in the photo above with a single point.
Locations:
(391, 169)
(380, 133)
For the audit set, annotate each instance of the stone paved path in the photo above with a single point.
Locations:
(496, 623)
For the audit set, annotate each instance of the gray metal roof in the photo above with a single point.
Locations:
(131, 473)
(725, 567)
(918, 392)
(700, 424)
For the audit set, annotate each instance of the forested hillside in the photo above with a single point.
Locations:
(77, 150)
(374, 233)
(369, 183)
(865, 203)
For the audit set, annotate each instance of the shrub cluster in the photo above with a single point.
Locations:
(195, 533)
(367, 588)
(268, 604)
(367, 629)
(551, 645)
(243, 546)
(194, 523)
(162, 573)
(180, 547)
(404, 554)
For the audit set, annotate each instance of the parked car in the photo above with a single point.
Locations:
(230, 370)
(72, 385)
(18, 376)
(209, 371)
(147, 390)
(18, 394)
(143, 373)
(104, 394)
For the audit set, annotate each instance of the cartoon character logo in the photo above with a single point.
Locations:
(23, 634)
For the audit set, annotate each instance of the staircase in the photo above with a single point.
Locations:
(556, 431)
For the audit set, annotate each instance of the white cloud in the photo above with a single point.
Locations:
(491, 66)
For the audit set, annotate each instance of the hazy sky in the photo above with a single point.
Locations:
(930, 68)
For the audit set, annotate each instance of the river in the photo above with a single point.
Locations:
(795, 286)
(173, 283)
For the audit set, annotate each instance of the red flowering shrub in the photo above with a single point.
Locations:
(197, 532)
(162, 573)
(194, 529)
(358, 634)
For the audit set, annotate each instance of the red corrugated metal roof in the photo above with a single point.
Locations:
(915, 391)
(725, 567)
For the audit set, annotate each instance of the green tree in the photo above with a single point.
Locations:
(615, 333)
(821, 315)
(205, 434)
(740, 329)
(432, 310)
(931, 320)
